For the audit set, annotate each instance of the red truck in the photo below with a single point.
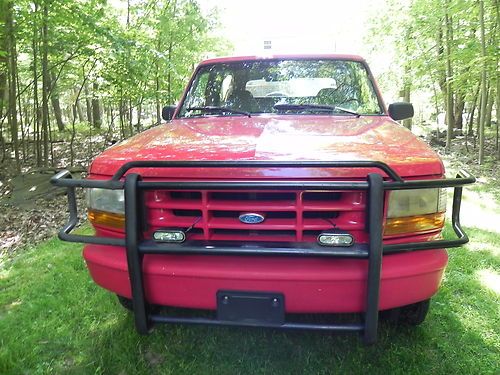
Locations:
(278, 185)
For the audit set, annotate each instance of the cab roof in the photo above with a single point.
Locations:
(229, 59)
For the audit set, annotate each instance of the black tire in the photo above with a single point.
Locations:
(413, 314)
(125, 302)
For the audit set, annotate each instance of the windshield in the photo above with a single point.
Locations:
(257, 87)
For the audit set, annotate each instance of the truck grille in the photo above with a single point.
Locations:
(289, 216)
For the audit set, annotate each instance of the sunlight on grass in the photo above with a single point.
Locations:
(490, 280)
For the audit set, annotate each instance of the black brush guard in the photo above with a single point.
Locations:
(375, 185)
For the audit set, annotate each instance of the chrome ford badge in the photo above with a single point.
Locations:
(251, 218)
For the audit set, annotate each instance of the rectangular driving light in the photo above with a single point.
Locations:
(335, 239)
(169, 235)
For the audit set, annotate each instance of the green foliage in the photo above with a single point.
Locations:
(127, 58)
(416, 31)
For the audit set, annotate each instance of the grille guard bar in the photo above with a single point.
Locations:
(375, 185)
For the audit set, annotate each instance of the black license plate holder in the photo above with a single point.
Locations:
(251, 308)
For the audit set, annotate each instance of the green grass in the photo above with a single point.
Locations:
(53, 319)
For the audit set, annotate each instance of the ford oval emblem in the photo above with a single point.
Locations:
(251, 218)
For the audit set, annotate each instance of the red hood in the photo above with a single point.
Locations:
(286, 138)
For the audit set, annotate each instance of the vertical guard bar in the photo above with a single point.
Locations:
(134, 259)
(455, 214)
(375, 218)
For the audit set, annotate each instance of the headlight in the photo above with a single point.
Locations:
(106, 207)
(413, 211)
(416, 202)
(106, 200)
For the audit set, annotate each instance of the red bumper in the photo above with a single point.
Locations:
(308, 284)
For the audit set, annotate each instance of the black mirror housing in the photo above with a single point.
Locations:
(401, 110)
(167, 113)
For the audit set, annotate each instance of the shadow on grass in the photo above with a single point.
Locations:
(53, 319)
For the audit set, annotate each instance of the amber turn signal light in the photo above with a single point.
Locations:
(414, 224)
(106, 219)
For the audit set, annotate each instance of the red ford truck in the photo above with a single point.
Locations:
(278, 185)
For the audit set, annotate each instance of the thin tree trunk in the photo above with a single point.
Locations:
(20, 116)
(96, 107)
(459, 110)
(12, 74)
(79, 109)
(36, 103)
(3, 59)
(497, 145)
(407, 123)
(170, 52)
(45, 85)
(75, 111)
(482, 113)
(130, 117)
(139, 114)
(470, 120)
(56, 105)
(157, 82)
(88, 104)
(449, 74)
(489, 107)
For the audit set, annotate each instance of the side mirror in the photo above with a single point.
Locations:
(401, 110)
(168, 112)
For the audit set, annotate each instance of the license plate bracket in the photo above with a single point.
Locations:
(251, 308)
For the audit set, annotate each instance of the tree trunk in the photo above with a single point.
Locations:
(45, 85)
(96, 107)
(157, 81)
(489, 107)
(12, 74)
(56, 105)
(139, 114)
(78, 107)
(459, 110)
(20, 116)
(450, 120)
(497, 145)
(130, 117)
(3, 58)
(88, 104)
(482, 112)
(36, 103)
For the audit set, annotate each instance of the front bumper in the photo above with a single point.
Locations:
(310, 285)
(365, 278)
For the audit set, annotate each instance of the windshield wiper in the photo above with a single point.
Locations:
(313, 107)
(210, 108)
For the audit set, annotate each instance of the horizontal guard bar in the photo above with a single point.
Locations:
(261, 185)
(290, 325)
(256, 164)
(289, 249)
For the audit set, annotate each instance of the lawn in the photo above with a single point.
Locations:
(53, 319)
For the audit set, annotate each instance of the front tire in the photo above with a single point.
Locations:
(128, 305)
(125, 302)
(412, 315)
